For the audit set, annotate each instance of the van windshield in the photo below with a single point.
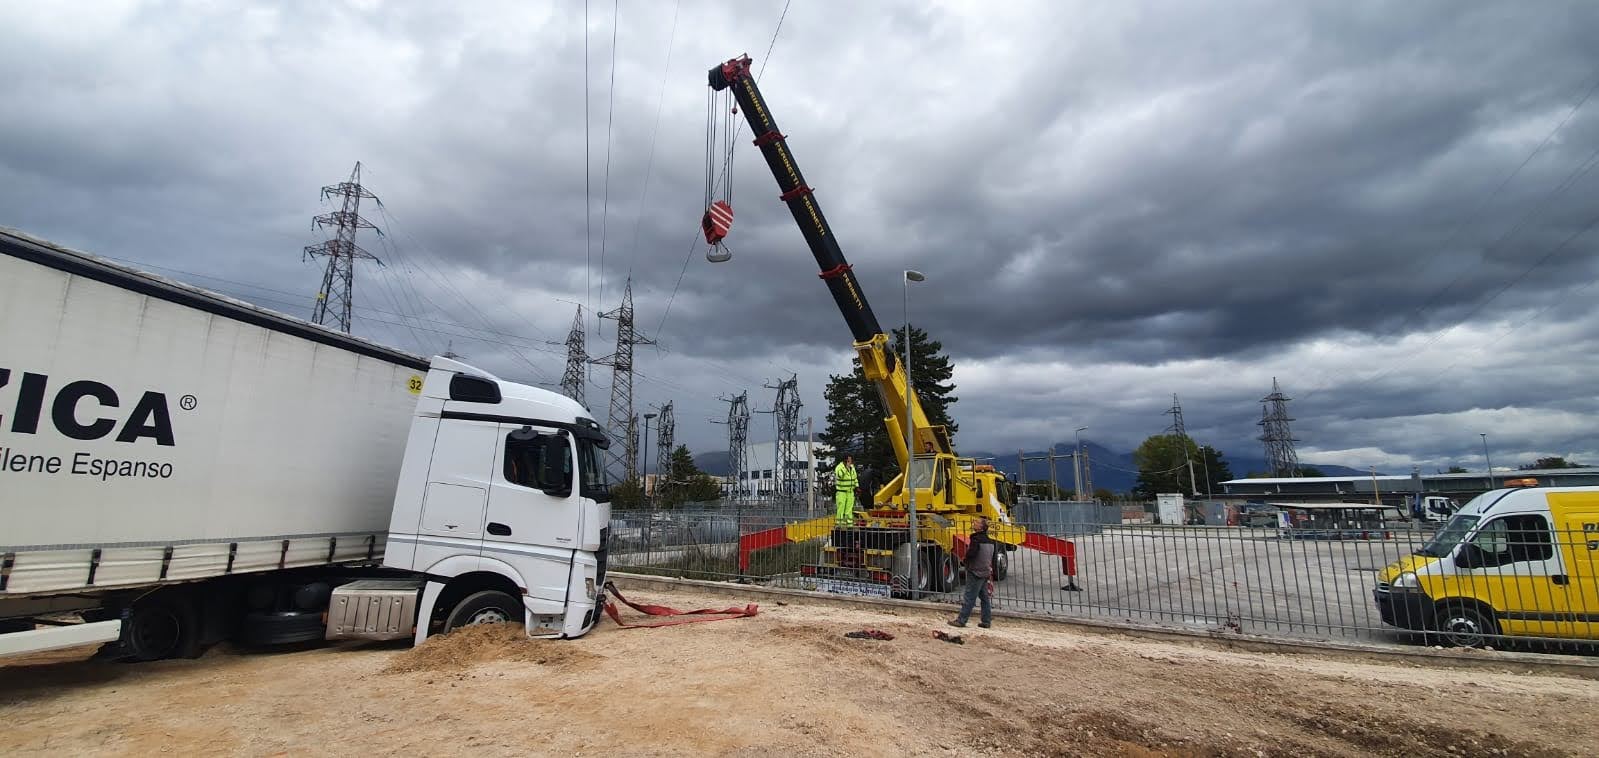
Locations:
(1448, 537)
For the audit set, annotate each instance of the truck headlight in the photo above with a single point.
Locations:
(1407, 581)
(588, 586)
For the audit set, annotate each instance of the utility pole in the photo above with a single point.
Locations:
(576, 375)
(644, 470)
(622, 425)
(1088, 475)
(810, 468)
(1281, 459)
(336, 299)
(1177, 427)
(785, 415)
(665, 443)
(738, 430)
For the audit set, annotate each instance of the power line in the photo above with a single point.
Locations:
(610, 112)
(649, 162)
(588, 191)
(660, 328)
(1480, 306)
(447, 286)
(1466, 218)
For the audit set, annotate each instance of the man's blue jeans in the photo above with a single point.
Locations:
(975, 587)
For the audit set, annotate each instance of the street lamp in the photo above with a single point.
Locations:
(910, 427)
(1077, 464)
(1484, 436)
(644, 466)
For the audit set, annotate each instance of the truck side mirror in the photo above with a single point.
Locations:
(555, 466)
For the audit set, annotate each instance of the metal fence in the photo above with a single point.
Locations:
(1299, 583)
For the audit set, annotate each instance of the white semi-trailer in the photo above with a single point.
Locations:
(178, 467)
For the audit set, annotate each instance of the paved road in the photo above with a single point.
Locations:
(1215, 578)
(1251, 580)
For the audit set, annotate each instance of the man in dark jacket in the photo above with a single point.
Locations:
(981, 554)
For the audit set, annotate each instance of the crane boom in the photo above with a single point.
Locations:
(799, 198)
(878, 362)
(949, 492)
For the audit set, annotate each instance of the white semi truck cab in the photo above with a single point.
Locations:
(500, 515)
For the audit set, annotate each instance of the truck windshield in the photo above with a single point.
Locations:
(1448, 537)
(593, 482)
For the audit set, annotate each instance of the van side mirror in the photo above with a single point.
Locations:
(1470, 556)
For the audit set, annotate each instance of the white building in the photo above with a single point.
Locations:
(760, 478)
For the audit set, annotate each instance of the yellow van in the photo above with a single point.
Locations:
(1512, 562)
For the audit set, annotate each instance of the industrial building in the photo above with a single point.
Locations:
(760, 478)
(1396, 489)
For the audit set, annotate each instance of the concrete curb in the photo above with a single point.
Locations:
(1497, 660)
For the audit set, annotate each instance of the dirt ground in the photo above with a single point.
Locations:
(787, 681)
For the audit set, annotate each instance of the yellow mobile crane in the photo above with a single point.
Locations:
(876, 554)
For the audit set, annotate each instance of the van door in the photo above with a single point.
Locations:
(1518, 563)
(1577, 528)
(534, 509)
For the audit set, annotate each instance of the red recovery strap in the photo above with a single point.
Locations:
(704, 614)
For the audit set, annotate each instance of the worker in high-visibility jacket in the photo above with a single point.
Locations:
(845, 480)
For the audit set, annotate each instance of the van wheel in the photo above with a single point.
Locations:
(1463, 625)
(486, 607)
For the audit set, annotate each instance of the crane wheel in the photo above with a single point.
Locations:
(946, 577)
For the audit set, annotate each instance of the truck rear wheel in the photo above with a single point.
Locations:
(486, 607)
(160, 626)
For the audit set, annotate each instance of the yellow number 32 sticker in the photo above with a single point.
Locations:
(414, 384)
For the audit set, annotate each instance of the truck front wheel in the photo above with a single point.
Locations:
(486, 607)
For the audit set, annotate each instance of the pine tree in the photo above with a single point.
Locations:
(855, 416)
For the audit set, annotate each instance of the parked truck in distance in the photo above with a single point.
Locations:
(178, 467)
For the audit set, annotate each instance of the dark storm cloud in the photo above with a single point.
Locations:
(1112, 202)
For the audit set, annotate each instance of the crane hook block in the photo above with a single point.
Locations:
(717, 220)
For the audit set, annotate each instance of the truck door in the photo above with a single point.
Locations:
(533, 511)
(1515, 569)
(458, 483)
(1577, 531)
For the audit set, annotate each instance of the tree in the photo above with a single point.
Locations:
(1553, 461)
(1161, 466)
(1213, 463)
(1104, 496)
(855, 416)
(1455, 470)
(627, 494)
(1310, 471)
(688, 484)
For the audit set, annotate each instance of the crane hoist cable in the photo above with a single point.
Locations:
(720, 120)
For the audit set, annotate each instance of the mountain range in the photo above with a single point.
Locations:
(1111, 470)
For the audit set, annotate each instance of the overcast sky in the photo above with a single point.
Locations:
(1386, 206)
